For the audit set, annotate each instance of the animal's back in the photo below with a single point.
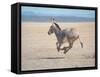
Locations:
(71, 32)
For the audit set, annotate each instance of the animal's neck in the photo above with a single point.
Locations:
(57, 33)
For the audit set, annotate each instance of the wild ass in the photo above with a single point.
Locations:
(69, 35)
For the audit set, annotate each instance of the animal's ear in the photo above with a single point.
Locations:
(51, 19)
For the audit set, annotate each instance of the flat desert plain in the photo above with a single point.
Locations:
(39, 49)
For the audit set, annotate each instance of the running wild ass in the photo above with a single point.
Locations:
(69, 35)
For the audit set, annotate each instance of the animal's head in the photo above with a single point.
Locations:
(51, 30)
(54, 27)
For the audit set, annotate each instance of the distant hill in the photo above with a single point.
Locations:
(57, 18)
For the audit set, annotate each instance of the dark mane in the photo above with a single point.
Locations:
(57, 26)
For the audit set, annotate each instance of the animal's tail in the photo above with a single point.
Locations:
(81, 43)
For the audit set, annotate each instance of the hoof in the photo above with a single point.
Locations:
(64, 52)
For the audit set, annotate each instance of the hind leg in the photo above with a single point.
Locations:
(71, 41)
(64, 48)
(68, 48)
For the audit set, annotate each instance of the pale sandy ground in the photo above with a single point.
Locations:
(39, 49)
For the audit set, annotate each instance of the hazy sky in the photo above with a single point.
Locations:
(42, 11)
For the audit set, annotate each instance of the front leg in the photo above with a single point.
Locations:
(58, 46)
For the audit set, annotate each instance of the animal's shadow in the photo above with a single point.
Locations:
(51, 58)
